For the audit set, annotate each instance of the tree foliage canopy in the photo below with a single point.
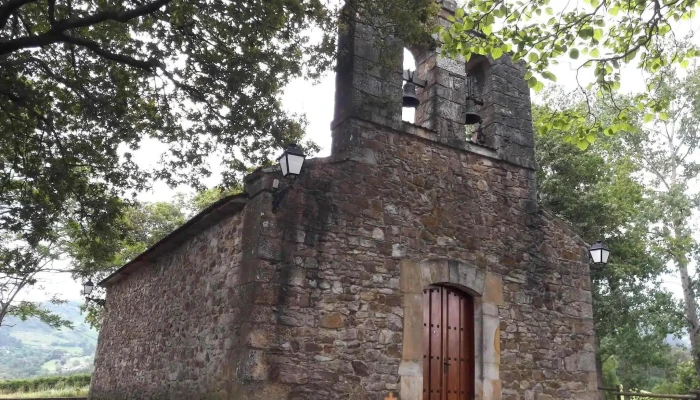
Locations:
(86, 84)
(600, 194)
(601, 35)
(140, 226)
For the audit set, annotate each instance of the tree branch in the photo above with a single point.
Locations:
(120, 58)
(52, 12)
(100, 17)
(7, 9)
(56, 35)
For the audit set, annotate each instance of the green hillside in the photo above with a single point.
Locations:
(31, 348)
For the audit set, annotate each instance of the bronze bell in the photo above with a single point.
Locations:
(472, 117)
(409, 95)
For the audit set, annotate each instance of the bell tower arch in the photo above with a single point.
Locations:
(369, 87)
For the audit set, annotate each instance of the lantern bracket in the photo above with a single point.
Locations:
(96, 300)
(277, 197)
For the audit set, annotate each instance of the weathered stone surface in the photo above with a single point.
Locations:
(175, 326)
(324, 297)
(332, 321)
(493, 290)
(343, 302)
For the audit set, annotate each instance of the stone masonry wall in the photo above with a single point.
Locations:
(333, 326)
(308, 303)
(172, 329)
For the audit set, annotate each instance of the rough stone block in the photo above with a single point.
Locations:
(411, 388)
(493, 289)
(411, 280)
(332, 321)
(413, 327)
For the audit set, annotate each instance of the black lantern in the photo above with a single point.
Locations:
(599, 253)
(291, 161)
(87, 287)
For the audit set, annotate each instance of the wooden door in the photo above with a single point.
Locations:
(448, 343)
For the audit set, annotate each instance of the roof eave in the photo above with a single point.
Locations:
(228, 205)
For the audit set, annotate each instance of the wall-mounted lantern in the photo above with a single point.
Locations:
(291, 163)
(599, 253)
(87, 289)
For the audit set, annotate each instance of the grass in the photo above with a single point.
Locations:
(43, 384)
(45, 392)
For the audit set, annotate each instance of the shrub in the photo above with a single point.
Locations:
(50, 382)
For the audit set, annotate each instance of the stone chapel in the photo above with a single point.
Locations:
(413, 263)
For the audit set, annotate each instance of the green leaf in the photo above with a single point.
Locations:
(586, 33)
(496, 53)
(583, 145)
(532, 82)
(573, 53)
(648, 118)
(549, 75)
(598, 34)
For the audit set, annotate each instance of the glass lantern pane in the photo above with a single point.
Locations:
(605, 255)
(295, 164)
(597, 255)
(283, 165)
(87, 289)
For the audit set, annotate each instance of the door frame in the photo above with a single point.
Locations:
(486, 291)
(466, 338)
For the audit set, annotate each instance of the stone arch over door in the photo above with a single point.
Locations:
(486, 290)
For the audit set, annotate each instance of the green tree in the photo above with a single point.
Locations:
(681, 380)
(141, 226)
(598, 193)
(19, 267)
(668, 147)
(600, 35)
(83, 84)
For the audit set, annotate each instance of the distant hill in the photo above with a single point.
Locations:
(31, 348)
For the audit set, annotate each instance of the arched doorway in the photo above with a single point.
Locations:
(448, 344)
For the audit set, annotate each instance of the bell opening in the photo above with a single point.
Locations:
(409, 104)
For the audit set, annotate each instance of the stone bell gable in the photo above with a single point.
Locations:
(369, 80)
(413, 262)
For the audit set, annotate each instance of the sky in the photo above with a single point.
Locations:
(316, 101)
